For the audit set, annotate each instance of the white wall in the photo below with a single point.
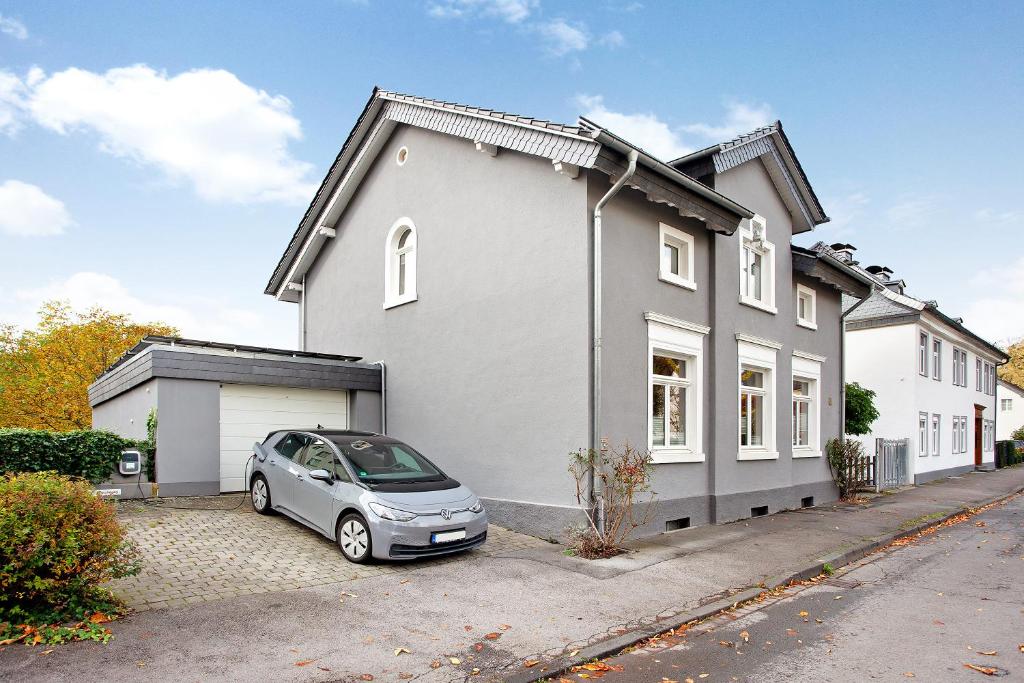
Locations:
(882, 359)
(1007, 421)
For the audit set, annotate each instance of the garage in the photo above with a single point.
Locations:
(213, 400)
(249, 412)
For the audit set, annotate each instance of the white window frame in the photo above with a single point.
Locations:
(936, 432)
(391, 261)
(681, 339)
(812, 305)
(977, 373)
(809, 371)
(963, 368)
(761, 355)
(1005, 405)
(922, 434)
(936, 359)
(956, 366)
(767, 275)
(956, 434)
(923, 350)
(680, 240)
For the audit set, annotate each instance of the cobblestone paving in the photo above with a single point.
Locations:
(192, 556)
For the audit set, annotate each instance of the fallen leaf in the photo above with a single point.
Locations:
(938, 623)
(323, 668)
(987, 670)
(474, 672)
(99, 618)
(990, 653)
(45, 652)
(304, 662)
(803, 613)
(436, 664)
(478, 646)
(404, 581)
(818, 621)
(910, 674)
(504, 627)
(455, 660)
(576, 652)
(468, 628)
(665, 679)
(791, 632)
(703, 675)
(492, 636)
(726, 643)
(531, 662)
(402, 650)
(293, 649)
(366, 677)
(745, 636)
(404, 676)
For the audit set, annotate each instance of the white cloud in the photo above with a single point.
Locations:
(645, 130)
(26, 210)
(844, 210)
(612, 39)
(12, 99)
(740, 118)
(561, 37)
(197, 317)
(511, 11)
(13, 28)
(204, 127)
(996, 311)
(911, 212)
(994, 217)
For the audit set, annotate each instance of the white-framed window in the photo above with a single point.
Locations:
(806, 307)
(806, 417)
(757, 266)
(757, 364)
(400, 264)
(959, 434)
(936, 429)
(959, 367)
(990, 435)
(675, 358)
(956, 434)
(963, 434)
(977, 373)
(1006, 404)
(990, 379)
(922, 354)
(922, 433)
(936, 358)
(676, 257)
(963, 368)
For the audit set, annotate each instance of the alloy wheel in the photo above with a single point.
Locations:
(354, 539)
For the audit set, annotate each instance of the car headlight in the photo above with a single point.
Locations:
(391, 513)
(476, 507)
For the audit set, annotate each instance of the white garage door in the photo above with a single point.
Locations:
(248, 413)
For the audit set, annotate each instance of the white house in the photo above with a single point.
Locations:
(1010, 401)
(934, 379)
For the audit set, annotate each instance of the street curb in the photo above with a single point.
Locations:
(613, 646)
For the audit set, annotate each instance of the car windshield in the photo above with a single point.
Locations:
(377, 462)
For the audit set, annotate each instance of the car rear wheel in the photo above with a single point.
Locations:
(260, 495)
(353, 536)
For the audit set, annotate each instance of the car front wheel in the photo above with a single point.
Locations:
(260, 495)
(353, 536)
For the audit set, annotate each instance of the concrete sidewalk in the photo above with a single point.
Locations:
(432, 622)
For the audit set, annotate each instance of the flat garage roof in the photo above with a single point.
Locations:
(180, 358)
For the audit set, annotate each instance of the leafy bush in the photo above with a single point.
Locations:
(92, 455)
(845, 457)
(1018, 434)
(622, 476)
(58, 544)
(860, 409)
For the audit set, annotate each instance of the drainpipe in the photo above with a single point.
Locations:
(302, 316)
(596, 496)
(383, 397)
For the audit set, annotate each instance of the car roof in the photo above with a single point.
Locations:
(326, 432)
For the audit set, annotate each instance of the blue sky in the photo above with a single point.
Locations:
(155, 158)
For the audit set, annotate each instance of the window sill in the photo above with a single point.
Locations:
(807, 323)
(760, 305)
(660, 456)
(804, 452)
(398, 302)
(678, 282)
(757, 454)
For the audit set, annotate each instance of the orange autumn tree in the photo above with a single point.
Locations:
(1013, 371)
(45, 372)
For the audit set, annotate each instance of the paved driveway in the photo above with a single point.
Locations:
(201, 555)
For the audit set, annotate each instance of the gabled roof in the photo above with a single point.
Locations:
(771, 144)
(886, 307)
(584, 145)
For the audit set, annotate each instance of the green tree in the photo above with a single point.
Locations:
(860, 409)
(1018, 434)
(1013, 372)
(45, 372)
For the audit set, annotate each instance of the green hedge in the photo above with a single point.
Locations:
(1007, 454)
(92, 455)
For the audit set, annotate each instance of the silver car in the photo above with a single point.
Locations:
(374, 495)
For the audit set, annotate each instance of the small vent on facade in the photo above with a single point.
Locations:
(807, 502)
(676, 524)
(759, 511)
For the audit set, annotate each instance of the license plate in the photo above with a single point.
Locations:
(447, 536)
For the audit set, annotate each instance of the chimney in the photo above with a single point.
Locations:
(883, 273)
(844, 251)
(897, 286)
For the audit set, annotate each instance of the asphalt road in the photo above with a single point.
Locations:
(919, 611)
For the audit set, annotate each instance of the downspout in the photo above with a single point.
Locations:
(302, 316)
(383, 397)
(597, 498)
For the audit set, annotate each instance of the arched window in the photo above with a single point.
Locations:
(400, 264)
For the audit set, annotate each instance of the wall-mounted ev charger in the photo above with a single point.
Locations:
(131, 462)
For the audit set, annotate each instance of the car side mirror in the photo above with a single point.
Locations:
(321, 475)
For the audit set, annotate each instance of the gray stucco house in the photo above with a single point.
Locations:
(534, 288)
